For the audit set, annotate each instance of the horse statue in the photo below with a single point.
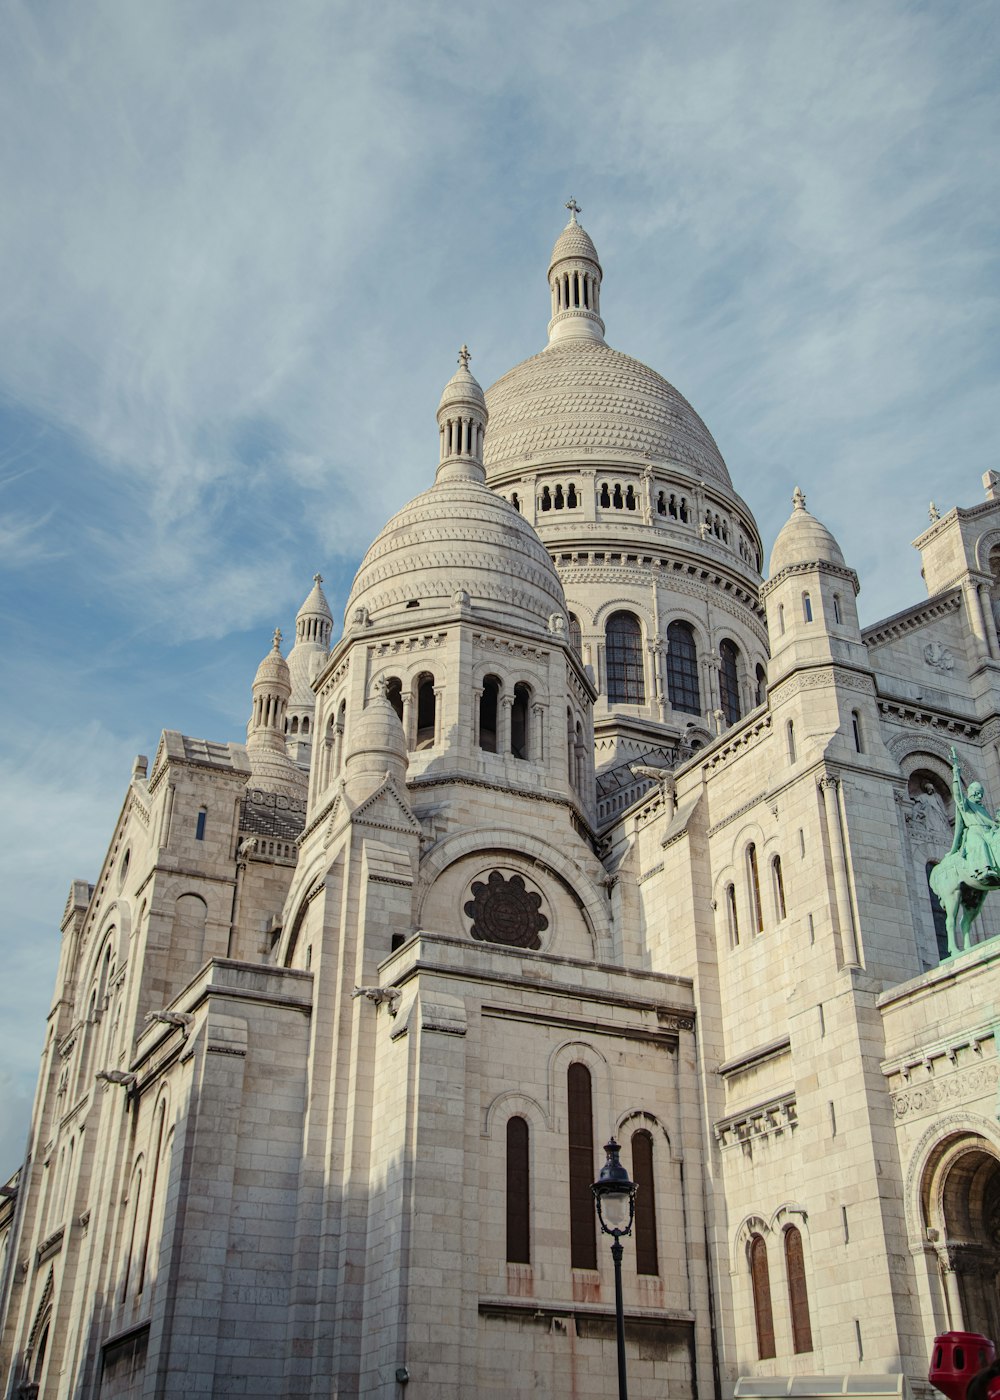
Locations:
(964, 877)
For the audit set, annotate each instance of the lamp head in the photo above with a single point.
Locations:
(614, 1194)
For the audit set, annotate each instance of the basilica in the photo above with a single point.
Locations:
(592, 821)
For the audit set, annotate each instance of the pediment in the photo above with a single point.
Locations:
(387, 810)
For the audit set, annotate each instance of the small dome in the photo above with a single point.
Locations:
(313, 626)
(803, 540)
(574, 242)
(458, 539)
(376, 745)
(273, 670)
(457, 545)
(463, 389)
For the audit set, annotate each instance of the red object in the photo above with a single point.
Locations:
(956, 1358)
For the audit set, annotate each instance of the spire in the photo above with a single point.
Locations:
(462, 418)
(575, 283)
(314, 621)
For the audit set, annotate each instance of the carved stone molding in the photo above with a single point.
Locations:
(946, 1091)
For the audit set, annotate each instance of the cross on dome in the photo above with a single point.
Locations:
(317, 578)
(798, 499)
(277, 639)
(464, 356)
(573, 208)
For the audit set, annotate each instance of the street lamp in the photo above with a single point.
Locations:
(614, 1194)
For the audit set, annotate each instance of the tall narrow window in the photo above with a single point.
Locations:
(798, 1297)
(488, 703)
(623, 646)
(760, 693)
(519, 721)
(781, 618)
(582, 1239)
(153, 1180)
(837, 615)
(682, 668)
(199, 830)
(753, 879)
(779, 889)
(761, 1284)
(426, 712)
(856, 731)
(790, 738)
(729, 681)
(732, 916)
(940, 918)
(807, 608)
(646, 1258)
(518, 1198)
(575, 634)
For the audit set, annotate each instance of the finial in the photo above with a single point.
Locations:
(798, 500)
(317, 578)
(464, 357)
(933, 513)
(277, 639)
(573, 208)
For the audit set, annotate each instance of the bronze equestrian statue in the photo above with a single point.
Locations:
(964, 877)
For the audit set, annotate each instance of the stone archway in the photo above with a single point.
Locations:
(963, 1206)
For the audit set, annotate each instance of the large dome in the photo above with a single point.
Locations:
(459, 537)
(580, 396)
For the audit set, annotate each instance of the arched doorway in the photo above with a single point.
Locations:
(962, 1205)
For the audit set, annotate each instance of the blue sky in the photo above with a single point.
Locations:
(242, 243)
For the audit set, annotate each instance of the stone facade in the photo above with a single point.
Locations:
(581, 828)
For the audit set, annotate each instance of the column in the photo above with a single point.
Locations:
(845, 915)
(503, 724)
(989, 626)
(438, 713)
(536, 739)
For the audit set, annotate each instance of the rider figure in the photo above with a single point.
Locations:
(975, 829)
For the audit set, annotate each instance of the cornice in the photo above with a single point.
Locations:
(901, 623)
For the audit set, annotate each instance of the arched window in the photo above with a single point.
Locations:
(798, 1297)
(582, 1238)
(519, 737)
(760, 693)
(781, 619)
(623, 646)
(790, 740)
(488, 705)
(837, 615)
(753, 880)
(778, 886)
(807, 608)
(856, 731)
(605, 496)
(546, 501)
(305, 724)
(646, 1257)
(153, 1183)
(682, 668)
(940, 918)
(134, 1195)
(426, 711)
(761, 1284)
(518, 1197)
(575, 634)
(293, 727)
(732, 916)
(729, 681)
(572, 501)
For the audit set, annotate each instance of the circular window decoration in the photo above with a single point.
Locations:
(505, 911)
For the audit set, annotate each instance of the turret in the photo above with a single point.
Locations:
(462, 417)
(271, 767)
(575, 283)
(308, 656)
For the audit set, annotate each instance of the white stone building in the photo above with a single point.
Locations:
(613, 836)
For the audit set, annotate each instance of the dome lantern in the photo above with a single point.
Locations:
(462, 417)
(575, 283)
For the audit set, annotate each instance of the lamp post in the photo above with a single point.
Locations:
(614, 1195)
